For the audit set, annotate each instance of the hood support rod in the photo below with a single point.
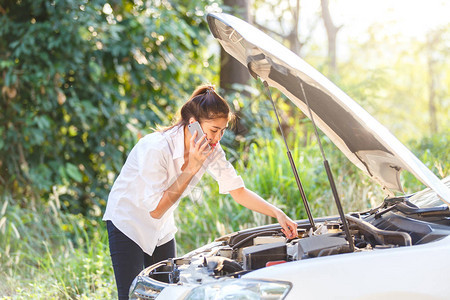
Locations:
(330, 177)
(291, 161)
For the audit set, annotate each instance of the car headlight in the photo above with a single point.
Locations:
(144, 287)
(242, 289)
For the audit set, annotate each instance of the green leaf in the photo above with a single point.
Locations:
(95, 71)
(6, 64)
(73, 172)
(43, 122)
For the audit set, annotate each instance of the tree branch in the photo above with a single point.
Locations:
(267, 29)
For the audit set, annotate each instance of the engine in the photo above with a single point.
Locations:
(394, 224)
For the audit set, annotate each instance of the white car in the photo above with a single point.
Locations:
(398, 250)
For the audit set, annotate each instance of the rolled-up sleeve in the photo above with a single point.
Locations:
(153, 173)
(223, 172)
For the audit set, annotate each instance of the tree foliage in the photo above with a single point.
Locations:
(79, 80)
(392, 79)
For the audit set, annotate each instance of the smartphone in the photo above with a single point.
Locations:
(193, 127)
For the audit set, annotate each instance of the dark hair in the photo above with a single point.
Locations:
(204, 104)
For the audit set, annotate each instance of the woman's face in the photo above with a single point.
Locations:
(214, 129)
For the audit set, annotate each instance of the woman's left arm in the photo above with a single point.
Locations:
(254, 202)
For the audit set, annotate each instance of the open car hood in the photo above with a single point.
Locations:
(367, 143)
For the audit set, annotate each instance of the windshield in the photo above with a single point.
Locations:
(428, 198)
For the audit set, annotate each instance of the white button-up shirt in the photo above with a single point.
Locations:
(152, 166)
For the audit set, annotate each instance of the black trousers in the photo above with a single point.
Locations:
(128, 259)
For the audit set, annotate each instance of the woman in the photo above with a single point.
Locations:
(162, 168)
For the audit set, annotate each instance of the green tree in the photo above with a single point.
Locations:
(402, 82)
(79, 79)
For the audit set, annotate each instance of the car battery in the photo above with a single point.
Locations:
(256, 257)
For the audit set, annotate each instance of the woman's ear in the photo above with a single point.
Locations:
(192, 120)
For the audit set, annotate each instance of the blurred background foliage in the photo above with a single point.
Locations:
(82, 81)
(79, 82)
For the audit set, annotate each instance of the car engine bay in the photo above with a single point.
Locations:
(395, 223)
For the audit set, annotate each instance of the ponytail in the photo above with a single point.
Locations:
(204, 104)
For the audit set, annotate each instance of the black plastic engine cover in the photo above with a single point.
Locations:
(322, 245)
(256, 257)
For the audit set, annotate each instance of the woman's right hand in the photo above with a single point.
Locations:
(198, 152)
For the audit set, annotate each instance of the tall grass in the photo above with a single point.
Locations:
(48, 254)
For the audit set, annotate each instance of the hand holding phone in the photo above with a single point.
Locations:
(193, 127)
